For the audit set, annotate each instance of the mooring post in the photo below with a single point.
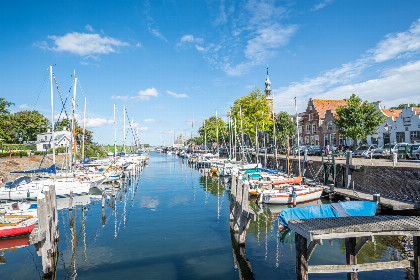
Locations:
(301, 257)
(304, 165)
(71, 200)
(232, 199)
(416, 247)
(238, 206)
(244, 217)
(351, 256)
(349, 162)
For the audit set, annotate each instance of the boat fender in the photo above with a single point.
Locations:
(1, 180)
(28, 194)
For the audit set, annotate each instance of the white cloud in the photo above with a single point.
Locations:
(321, 5)
(120, 97)
(177, 95)
(338, 83)
(138, 45)
(187, 38)
(97, 122)
(141, 95)
(144, 128)
(146, 94)
(395, 86)
(83, 44)
(399, 44)
(89, 27)
(268, 39)
(24, 107)
(151, 121)
(170, 131)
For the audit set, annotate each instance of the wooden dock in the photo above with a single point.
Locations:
(315, 230)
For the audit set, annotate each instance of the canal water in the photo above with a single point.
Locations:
(173, 223)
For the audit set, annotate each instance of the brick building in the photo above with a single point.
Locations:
(318, 126)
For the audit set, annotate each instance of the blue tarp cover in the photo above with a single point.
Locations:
(51, 169)
(272, 171)
(353, 208)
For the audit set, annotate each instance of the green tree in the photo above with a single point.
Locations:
(401, 106)
(210, 128)
(284, 127)
(358, 119)
(7, 131)
(4, 106)
(254, 107)
(29, 123)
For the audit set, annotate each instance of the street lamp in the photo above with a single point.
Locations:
(388, 129)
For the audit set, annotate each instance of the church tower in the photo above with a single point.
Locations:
(267, 91)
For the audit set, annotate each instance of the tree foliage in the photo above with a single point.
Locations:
(254, 107)
(358, 118)
(6, 126)
(210, 128)
(30, 123)
(284, 127)
(401, 106)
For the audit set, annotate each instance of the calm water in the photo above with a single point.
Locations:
(173, 223)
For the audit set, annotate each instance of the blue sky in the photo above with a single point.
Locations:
(172, 62)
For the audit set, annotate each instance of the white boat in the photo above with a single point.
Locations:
(26, 188)
(285, 195)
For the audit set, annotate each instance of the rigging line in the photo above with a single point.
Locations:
(40, 90)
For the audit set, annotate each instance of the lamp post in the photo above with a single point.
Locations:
(388, 129)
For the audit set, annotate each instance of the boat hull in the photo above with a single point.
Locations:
(283, 198)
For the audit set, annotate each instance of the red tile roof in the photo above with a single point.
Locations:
(322, 106)
(391, 113)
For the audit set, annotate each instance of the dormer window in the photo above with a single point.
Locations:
(310, 117)
(329, 126)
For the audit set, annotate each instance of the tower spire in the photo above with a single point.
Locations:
(267, 92)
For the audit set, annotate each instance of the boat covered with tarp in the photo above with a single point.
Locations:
(340, 209)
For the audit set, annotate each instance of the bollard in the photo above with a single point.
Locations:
(377, 198)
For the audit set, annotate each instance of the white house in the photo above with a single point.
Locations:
(62, 139)
(401, 126)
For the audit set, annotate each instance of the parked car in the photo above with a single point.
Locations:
(416, 154)
(364, 150)
(411, 149)
(315, 150)
(382, 152)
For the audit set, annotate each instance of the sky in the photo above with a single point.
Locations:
(173, 64)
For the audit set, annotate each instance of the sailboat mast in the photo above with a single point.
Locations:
(242, 135)
(205, 138)
(84, 127)
(256, 142)
(297, 128)
(217, 135)
(115, 135)
(74, 125)
(52, 117)
(275, 142)
(124, 130)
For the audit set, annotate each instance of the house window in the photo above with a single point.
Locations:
(414, 136)
(300, 129)
(386, 138)
(329, 125)
(310, 117)
(400, 137)
(45, 137)
(314, 128)
(312, 140)
(326, 139)
(341, 140)
(407, 121)
(333, 138)
(308, 129)
(316, 140)
(306, 140)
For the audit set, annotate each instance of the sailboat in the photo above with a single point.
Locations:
(291, 191)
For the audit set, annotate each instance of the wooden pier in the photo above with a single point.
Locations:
(315, 230)
(240, 212)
